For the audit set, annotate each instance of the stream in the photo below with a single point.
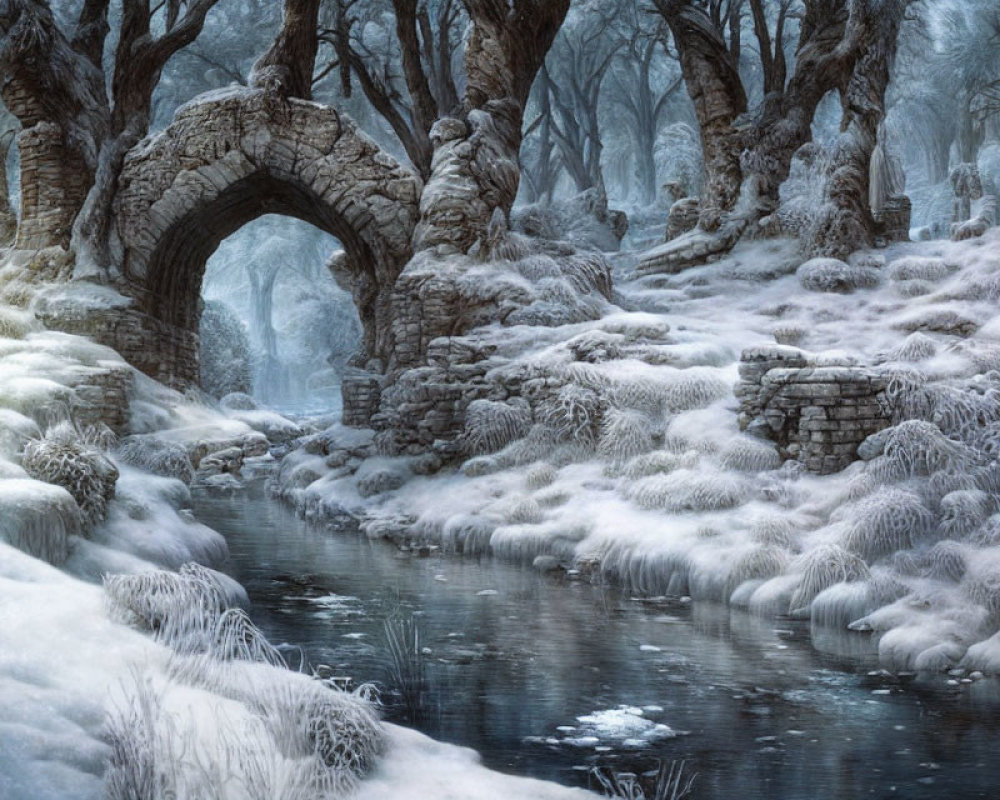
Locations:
(509, 660)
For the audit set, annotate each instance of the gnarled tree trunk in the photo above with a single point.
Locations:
(476, 169)
(845, 221)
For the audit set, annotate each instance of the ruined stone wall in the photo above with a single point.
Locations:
(817, 415)
(54, 184)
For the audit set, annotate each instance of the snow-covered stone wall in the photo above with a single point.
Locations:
(816, 414)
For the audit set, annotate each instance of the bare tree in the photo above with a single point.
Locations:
(641, 98)
(76, 129)
(410, 84)
(748, 156)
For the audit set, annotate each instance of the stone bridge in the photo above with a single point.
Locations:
(226, 159)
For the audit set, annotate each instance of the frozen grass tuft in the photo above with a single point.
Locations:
(774, 530)
(883, 523)
(491, 425)
(624, 434)
(572, 414)
(160, 457)
(658, 463)
(468, 534)
(833, 275)
(749, 454)
(64, 458)
(821, 568)
(963, 511)
(757, 563)
(916, 347)
(945, 561)
(910, 268)
(688, 490)
(918, 448)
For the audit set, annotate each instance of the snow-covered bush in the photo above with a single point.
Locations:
(16, 324)
(688, 490)
(491, 425)
(879, 525)
(624, 434)
(161, 457)
(749, 454)
(821, 568)
(63, 457)
(225, 354)
(920, 268)
(573, 413)
(834, 275)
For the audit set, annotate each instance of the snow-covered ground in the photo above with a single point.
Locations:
(667, 496)
(158, 685)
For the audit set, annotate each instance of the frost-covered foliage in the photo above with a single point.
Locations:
(833, 275)
(225, 356)
(688, 490)
(624, 434)
(156, 455)
(298, 737)
(65, 458)
(879, 525)
(491, 426)
(821, 568)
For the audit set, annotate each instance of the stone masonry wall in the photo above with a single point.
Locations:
(817, 415)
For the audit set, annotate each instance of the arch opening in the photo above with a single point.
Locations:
(275, 324)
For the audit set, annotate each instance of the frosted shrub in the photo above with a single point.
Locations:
(883, 523)
(981, 584)
(491, 425)
(160, 457)
(963, 511)
(833, 275)
(757, 563)
(919, 268)
(596, 346)
(916, 447)
(773, 530)
(916, 347)
(821, 568)
(687, 490)
(624, 434)
(749, 454)
(694, 388)
(517, 509)
(182, 608)
(945, 561)
(573, 413)
(63, 458)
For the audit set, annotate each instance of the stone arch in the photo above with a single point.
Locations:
(228, 158)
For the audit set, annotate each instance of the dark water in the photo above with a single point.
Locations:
(764, 714)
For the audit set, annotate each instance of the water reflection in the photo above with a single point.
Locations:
(512, 658)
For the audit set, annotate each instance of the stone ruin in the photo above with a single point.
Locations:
(817, 415)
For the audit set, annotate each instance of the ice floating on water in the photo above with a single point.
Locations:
(625, 726)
